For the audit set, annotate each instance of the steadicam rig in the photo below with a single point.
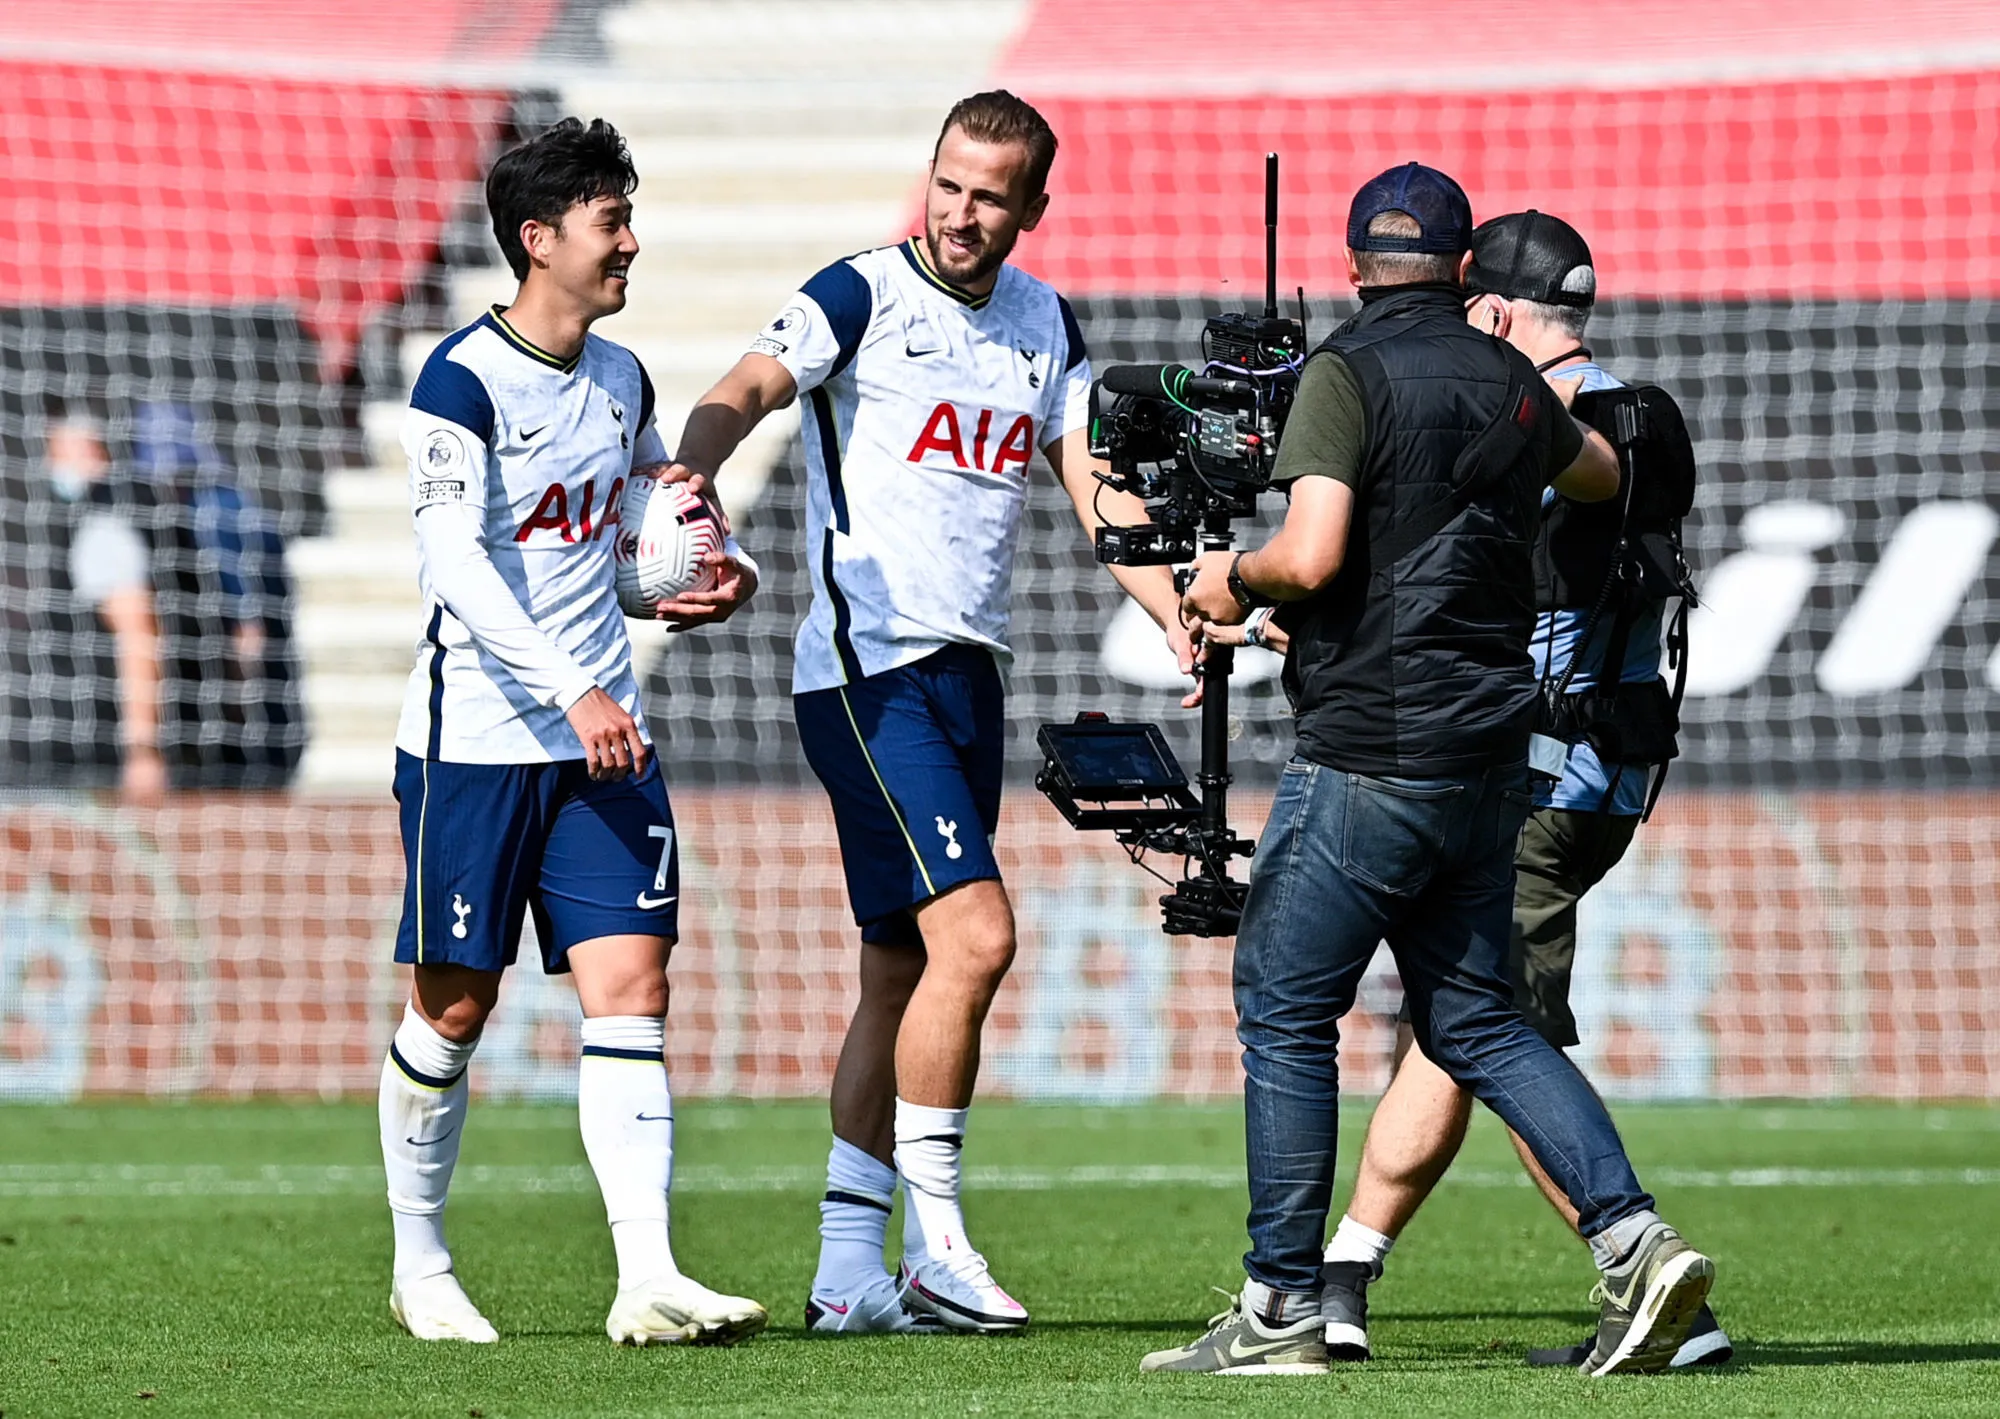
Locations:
(1197, 447)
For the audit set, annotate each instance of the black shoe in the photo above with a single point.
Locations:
(1705, 1345)
(1343, 1306)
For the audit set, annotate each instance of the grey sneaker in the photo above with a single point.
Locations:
(1649, 1306)
(1343, 1306)
(1238, 1343)
(1706, 1344)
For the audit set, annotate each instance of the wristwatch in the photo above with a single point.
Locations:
(1240, 589)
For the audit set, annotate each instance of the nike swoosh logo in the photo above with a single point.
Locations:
(527, 434)
(910, 352)
(1238, 1351)
(428, 1142)
(654, 1118)
(836, 1309)
(647, 903)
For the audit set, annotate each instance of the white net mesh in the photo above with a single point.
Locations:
(241, 212)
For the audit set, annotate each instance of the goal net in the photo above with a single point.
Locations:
(237, 248)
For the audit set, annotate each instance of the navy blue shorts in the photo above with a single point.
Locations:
(485, 843)
(912, 760)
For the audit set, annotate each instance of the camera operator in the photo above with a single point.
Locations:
(1410, 677)
(1531, 283)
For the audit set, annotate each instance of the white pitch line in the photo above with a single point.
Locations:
(342, 1180)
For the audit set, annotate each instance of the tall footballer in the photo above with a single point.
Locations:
(931, 371)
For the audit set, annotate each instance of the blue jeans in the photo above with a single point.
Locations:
(1427, 865)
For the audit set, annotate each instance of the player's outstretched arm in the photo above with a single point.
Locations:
(723, 417)
(717, 425)
(1097, 506)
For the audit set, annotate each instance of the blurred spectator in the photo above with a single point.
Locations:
(236, 679)
(145, 609)
(110, 571)
(83, 630)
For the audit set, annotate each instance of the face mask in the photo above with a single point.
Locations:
(70, 480)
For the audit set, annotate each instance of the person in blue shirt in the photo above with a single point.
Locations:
(238, 674)
(1531, 283)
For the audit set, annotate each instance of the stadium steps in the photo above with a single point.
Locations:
(771, 137)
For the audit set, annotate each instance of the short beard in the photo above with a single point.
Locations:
(990, 260)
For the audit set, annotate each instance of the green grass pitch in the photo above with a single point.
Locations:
(232, 1259)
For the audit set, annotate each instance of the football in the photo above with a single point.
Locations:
(664, 537)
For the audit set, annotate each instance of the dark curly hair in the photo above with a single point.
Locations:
(539, 181)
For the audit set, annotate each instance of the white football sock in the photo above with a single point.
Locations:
(913, 1228)
(928, 1145)
(422, 1114)
(853, 1219)
(627, 1119)
(1354, 1242)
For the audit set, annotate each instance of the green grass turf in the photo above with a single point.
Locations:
(190, 1277)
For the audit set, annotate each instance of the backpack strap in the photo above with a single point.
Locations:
(1612, 576)
(1677, 659)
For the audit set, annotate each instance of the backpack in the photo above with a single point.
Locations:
(1613, 559)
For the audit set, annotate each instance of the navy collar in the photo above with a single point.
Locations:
(498, 323)
(920, 262)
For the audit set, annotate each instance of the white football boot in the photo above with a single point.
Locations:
(678, 1310)
(437, 1308)
(875, 1308)
(951, 1283)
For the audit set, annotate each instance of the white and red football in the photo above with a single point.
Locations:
(665, 534)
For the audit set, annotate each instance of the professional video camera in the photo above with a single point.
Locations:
(1198, 447)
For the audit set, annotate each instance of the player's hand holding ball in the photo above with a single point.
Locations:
(671, 557)
(729, 584)
(698, 479)
(666, 545)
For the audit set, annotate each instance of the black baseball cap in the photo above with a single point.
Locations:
(1438, 204)
(1531, 256)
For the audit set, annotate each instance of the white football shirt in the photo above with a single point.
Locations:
(518, 465)
(922, 408)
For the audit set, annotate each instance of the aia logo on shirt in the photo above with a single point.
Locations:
(944, 432)
(553, 513)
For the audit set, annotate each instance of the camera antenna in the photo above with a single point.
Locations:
(1270, 236)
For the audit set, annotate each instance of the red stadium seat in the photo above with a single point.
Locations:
(275, 165)
(1692, 139)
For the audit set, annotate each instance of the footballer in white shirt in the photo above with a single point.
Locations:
(524, 772)
(929, 374)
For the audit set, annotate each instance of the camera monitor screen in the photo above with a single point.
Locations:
(1111, 761)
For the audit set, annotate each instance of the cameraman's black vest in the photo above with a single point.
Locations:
(1414, 660)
